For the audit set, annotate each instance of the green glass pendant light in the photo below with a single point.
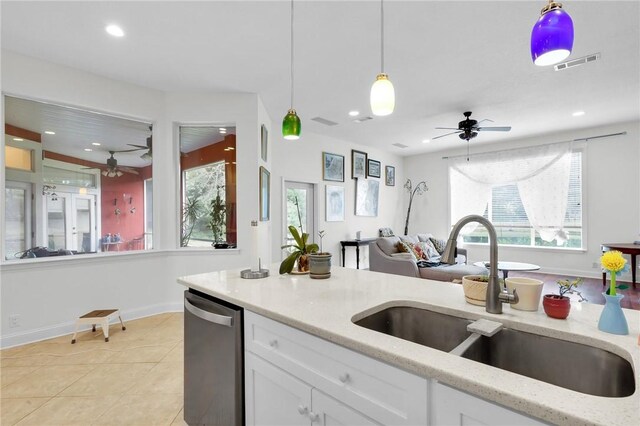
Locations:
(291, 126)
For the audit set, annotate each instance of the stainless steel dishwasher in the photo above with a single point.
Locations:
(213, 361)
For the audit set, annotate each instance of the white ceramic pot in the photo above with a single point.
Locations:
(529, 291)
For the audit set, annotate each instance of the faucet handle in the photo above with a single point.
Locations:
(506, 297)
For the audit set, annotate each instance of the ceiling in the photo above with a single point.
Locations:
(444, 58)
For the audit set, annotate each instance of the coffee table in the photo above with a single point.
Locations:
(505, 267)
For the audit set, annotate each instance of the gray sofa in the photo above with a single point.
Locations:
(385, 257)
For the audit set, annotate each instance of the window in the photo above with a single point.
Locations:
(208, 165)
(506, 212)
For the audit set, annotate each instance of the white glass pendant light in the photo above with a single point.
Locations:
(383, 96)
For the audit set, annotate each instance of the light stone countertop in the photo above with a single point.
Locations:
(326, 308)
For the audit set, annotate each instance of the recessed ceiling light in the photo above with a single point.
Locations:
(114, 30)
(95, 143)
(88, 149)
(426, 140)
(18, 139)
(222, 129)
(578, 113)
(354, 113)
(230, 148)
(49, 132)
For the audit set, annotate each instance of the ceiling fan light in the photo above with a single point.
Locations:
(383, 96)
(104, 173)
(291, 125)
(552, 36)
(119, 173)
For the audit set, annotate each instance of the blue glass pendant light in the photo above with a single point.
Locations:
(552, 36)
(291, 125)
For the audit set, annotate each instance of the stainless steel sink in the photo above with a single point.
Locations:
(570, 365)
(428, 328)
(566, 364)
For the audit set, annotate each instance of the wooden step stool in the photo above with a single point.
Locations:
(100, 316)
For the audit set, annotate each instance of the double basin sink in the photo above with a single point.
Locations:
(570, 365)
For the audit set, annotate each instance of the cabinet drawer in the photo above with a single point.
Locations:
(382, 392)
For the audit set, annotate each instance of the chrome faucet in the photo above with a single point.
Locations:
(495, 295)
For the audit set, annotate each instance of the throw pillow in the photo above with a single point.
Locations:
(438, 244)
(424, 237)
(428, 250)
(404, 247)
(409, 239)
(386, 232)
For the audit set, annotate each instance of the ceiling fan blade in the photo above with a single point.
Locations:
(483, 120)
(442, 136)
(138, 146)
(129, 150)
(128, 170)
(494, 129)
(446, 128)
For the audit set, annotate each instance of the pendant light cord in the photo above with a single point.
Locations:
(382, 36)
(291, 54)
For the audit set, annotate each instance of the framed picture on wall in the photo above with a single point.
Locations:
(373, 168)
(367, 191)
(390, 175)
(265, 193)
(332, 167)
(358, 164)
(334, 203)
(263, 142)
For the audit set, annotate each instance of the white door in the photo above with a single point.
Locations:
(326, 411)
(273, 397)
(300, 210)
(17, 211)
(71, 222)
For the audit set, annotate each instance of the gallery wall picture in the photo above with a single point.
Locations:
(358, 164)
(265, 193)
(390, 175)
(334, 202)
(332, 167)
(367, 192)
(373, 168)
(264, 136)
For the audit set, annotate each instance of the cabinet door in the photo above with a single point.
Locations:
(273, 397)
(452, 407)
(326, 411)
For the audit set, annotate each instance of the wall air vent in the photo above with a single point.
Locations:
(400, 145)
(362, 119)
(324, 121)
(575, 62)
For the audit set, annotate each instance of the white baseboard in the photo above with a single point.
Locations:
(62, 329)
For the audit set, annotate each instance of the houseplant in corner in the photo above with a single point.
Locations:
(300, 252)
(612, 319)
(320, 263)
(559, 305)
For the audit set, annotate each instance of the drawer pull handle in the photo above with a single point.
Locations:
(314, 417)
(273, 343)
(303, 410)
(344, 378)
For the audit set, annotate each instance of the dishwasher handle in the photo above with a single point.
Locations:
(208, 316)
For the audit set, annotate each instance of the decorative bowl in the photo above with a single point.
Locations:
(475, 292)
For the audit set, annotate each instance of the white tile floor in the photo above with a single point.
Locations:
(134, 379)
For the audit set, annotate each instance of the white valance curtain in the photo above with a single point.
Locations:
(541, 174)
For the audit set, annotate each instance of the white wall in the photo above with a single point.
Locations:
(48, 295)
(301, 161)
(612, 203)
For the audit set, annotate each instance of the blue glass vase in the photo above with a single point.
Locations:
(612, 319)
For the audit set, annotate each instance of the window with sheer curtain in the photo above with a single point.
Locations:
(533, 196)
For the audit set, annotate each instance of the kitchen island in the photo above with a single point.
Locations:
(326, 309)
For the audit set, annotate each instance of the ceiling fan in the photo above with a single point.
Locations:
(112, 169)
(468, 128)
(149, 147)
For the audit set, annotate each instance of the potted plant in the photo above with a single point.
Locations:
(559, 305)
(218, 221)
(299, 253)
(320, 263)
(190, 213)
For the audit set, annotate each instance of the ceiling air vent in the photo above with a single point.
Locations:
(324, 121)
(362, 119)
(400, 145)
(575, 62)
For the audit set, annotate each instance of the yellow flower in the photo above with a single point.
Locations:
(613, 261)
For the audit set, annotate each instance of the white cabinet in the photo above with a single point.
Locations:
(452, 407)
(276, 398)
